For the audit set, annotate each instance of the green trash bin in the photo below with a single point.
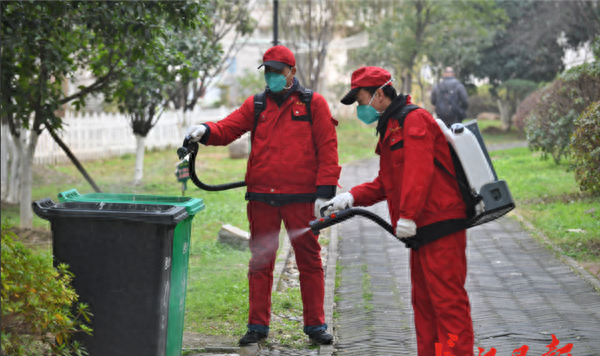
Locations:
(121, 256)
(181, 251)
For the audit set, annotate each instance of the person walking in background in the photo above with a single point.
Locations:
(292, 170)
(450, 99)
(425, 206)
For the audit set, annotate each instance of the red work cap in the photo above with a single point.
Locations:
(366, 77)
(278, 57)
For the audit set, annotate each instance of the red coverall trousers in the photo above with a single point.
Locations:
(439, 298)
(265, 224)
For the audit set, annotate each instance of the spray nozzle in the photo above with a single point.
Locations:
(317, 225)
(187, 147)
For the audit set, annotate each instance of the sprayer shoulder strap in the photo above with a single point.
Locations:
(260, 104)
(401, 116)
(463, 185)
(306, 97)
(440, 165)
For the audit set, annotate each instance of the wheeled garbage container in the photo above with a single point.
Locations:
(180, 256)
(122, 257)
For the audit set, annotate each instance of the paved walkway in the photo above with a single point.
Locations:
(520, 292)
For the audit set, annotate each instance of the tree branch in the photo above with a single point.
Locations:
(98, 84)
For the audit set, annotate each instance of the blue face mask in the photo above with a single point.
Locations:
(276, 82)
(367, 113)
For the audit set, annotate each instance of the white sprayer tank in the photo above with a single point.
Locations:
(471, 155)
(496, 198)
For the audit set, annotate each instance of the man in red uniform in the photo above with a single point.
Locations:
(425, 206)
(293, 162)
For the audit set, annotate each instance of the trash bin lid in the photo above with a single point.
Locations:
(192, 205)
(151, 213)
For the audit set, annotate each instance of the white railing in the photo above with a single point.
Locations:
(94, 136)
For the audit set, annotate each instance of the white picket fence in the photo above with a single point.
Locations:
(94, 136)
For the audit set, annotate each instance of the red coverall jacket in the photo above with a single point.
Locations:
(290, 157)
(414, 187)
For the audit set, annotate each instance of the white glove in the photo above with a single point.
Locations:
(340, 202)
(405, 228)
(319, 203)
(196, 131)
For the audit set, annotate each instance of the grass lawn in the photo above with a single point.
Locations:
(217, 299)
(548, 196)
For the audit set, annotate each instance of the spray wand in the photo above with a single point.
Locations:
(343, 215)
(191, 148)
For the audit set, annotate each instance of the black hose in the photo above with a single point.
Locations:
(191, 148)
(343, 215)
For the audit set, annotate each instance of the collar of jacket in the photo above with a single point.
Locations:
(397, 104)
(280, 98)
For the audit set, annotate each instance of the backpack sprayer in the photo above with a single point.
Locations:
(486, 197)
(191, 148)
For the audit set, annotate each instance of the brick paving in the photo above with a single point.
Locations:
(520, 292)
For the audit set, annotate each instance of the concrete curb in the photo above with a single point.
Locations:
(574, 265)
(216, 350)
(330, 273)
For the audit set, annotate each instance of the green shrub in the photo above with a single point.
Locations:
(551, 122)
(585, 147)
(37, 314)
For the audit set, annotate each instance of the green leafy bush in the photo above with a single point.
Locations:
(585, 146)
(37, 300)
(550, 124)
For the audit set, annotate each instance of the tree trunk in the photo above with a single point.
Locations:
(422, 90)
(4, 162)
(139, 159)
(15, 146)
(505, 113)
(27, 181)
(408, 82)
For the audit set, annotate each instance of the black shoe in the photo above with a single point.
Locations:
(320, 337)
(252, 337)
